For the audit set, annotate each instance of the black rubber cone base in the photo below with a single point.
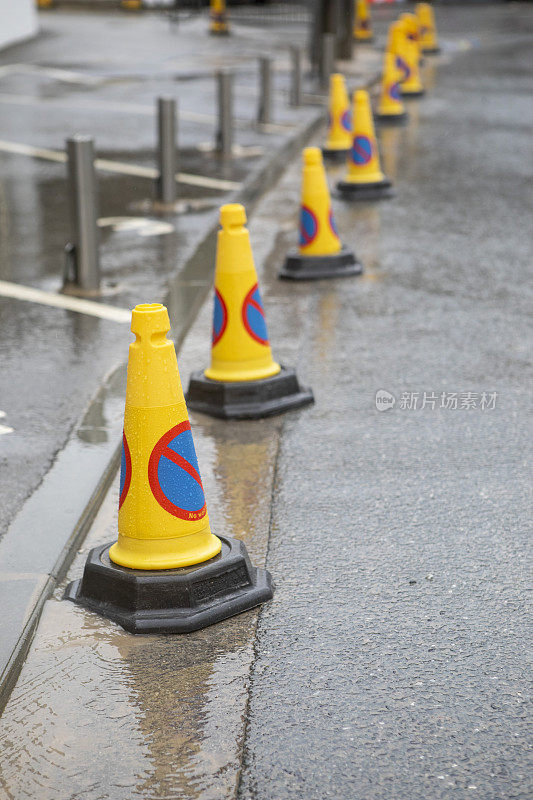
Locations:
(391, 119)
(433, 51)
(310, 268)
(408, 95)
(347, 190)
(247, 399)
(335, 155)
(172, 600)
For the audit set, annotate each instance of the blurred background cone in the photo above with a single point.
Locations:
(362, 31)
(243, 380)
(340, 119)
(391, 110)
(140, 581)
(429, 42)
(320, 253)
(411, 85)
(364, 179)
(218, 18)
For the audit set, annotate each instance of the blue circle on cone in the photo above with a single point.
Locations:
(346, 120)
(174, 475)
(308, 226)
(395, 91)
(361, 150)
(254, 316)
(220, 317)
(332, 222)
(404, 66)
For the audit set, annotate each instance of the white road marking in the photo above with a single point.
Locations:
(4, 428)
(143, 226)
(136, 108)
(65, 75)
(105, 165)
(78, 304)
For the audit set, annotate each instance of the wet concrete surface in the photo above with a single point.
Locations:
(391, 662)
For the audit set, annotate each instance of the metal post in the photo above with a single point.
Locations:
(296, 76)
(83, 264)
(166, 150)
(327, 64)
(264, 113)
(345, 29)
(224, 139)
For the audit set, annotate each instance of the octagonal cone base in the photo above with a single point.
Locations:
(347, 190)
(334, 154)
(298, 267)
(247, 399)
(391, 119)
(172, 600)
(407, 94)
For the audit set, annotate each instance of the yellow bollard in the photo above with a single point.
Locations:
(243, 380)
(362, 31)
(320, 253)
(364, 179)
(340, 123)
(429, 42)
(163, 527)
(218, 18)
(391, 110)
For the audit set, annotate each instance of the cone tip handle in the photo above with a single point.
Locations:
(361, 96)
(336, 77)
(232, 215)
(312, 156)
(148, 319)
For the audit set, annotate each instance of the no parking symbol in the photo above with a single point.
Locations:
(174, 476)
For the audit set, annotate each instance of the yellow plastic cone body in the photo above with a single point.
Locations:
(362, 31)
(390, 103)
(162, 518)
(428, 31)
(132, 5)
(411, 26)
(241, 349)
(398, 46)
(340, 124)
(318, 232)
(412, 83)
(363, 158)
(218, 17)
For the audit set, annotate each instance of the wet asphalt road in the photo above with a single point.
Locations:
(391, 663)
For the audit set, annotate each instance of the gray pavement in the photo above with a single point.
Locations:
(391, 662)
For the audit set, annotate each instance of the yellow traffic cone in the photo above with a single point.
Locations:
(362, 31)
(429, 42)
(243, 380)
(320, 254)
(340, 123)
(364, 179)
(391, 110)
(163, 527)
(131, 5)
(411, 85)
(218, 18)
(396, 46)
